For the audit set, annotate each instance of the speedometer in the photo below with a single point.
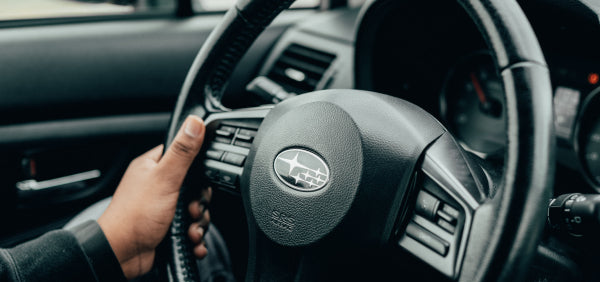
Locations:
(587, 143)
(472, 104)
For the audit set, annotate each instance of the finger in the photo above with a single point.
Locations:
(195, 208)
(205, 220)
(196, 233)
(207, 194)
(184, 148)
(200, 251)
(154, 154)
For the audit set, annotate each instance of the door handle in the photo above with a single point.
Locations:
(34, 185)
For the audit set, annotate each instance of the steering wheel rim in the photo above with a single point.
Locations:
(517, 209)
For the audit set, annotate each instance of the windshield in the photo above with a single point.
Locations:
(219, 5)
(42, 9)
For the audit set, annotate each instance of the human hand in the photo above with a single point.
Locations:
(143, 206)
(201, 215)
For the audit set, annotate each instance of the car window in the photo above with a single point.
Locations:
(222, 5)
(43, 9)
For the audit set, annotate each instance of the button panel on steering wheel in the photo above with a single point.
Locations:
(228, 141)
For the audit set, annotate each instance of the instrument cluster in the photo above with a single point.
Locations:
(472, 107)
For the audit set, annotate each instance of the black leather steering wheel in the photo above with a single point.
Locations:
(338, 168)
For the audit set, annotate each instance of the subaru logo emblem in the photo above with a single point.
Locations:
(301, 170)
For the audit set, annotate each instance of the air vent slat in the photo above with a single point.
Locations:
(302, 66)
(299, 69)
(289, 70)
(306, 85)
(313, 54)
(310, 81)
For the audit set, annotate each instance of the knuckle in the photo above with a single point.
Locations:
(182, 149)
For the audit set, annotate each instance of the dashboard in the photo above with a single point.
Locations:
(448, 70)
(439, 61)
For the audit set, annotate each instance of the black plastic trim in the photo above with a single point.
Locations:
(24, 135)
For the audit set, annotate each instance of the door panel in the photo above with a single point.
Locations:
(59, 156)
(88, 97)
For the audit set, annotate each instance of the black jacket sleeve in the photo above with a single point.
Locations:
(79, 254)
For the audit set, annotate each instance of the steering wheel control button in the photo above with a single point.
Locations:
(428, 239)
(214, 154)
(246, 135)
(450, 227)
(437, 211)
(301, 170)
(444, 216)
(241, 143)
(240, 137)
(224, 161)
(234, 159)
(228, 178)
(226, 131)
(450, 211)
(221, 139)
(427, 205)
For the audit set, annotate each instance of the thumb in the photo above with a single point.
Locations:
(182, 151)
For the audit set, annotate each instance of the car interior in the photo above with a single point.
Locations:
(447, 140)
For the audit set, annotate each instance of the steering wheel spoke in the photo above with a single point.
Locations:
(229, 137)
(450, 187)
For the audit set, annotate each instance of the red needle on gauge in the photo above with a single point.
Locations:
(478, 89)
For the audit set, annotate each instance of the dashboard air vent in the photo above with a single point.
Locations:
(299, 69)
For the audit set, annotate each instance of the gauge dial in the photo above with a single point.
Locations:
(592, 152)
(588, 139)
(472, 104)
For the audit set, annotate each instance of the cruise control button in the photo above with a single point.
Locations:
(427, 238)
(225, 131)
(214, 154)
(446, 226)
(427, 205)
(241, 143)
(246, 135)
(443, 215)
(223, 140)
(451, 211)
(248, 132)
(234, 159)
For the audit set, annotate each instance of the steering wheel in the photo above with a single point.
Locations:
(336, 168)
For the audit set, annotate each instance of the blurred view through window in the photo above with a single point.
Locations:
(220, 5)
(40, 9)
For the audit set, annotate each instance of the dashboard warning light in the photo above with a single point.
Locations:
(593, 78)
